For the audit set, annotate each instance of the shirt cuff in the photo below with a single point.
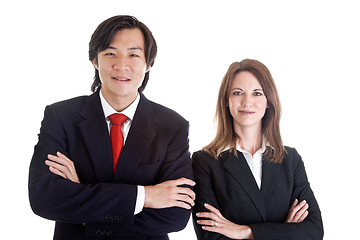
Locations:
(140, 199)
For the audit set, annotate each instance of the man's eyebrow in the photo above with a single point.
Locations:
(135, 48)
(129, 49)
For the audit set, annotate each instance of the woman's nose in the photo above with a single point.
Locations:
(246, 101)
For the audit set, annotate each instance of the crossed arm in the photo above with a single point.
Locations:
(215, 222)
(301, 220)
(170, 194)
(163, 195)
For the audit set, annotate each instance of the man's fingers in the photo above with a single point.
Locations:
(57, 172)
(182, 205)
(172, 193)
(55, 165)
(186, 191)
(183, 181)
(61, 159)
(186, 199)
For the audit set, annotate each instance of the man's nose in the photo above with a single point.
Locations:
(121, 63)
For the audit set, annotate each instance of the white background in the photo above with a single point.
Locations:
(311, 48)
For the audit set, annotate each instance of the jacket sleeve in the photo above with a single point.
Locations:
(204, 194)
(311, 227)
(107, 206)
(59, 199)
(177, 164)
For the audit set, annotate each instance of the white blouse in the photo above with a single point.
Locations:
(254, 162)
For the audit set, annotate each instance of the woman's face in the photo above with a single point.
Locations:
(247, 101)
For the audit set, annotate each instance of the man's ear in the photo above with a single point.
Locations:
(94, 62)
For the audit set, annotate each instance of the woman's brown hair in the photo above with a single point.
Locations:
(226, 135)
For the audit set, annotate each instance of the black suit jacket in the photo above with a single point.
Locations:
(228, 184)
(156, 150)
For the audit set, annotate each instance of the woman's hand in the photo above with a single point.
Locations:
(215, 222)
(298, 212)
(62, 166)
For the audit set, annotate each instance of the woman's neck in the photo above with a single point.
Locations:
(249, 139)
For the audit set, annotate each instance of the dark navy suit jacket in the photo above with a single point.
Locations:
(102, 206)
(228, 184)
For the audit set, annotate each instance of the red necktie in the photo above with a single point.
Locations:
(117, 139)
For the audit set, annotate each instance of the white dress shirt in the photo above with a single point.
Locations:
(129, 112)
(254, 161)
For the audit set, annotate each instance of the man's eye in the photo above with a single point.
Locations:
(109, 54)
(134, 55)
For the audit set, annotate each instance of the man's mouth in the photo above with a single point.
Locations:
(121, 79)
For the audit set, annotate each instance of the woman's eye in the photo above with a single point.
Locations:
(237, 93)
(257, 94)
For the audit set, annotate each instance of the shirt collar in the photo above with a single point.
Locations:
(129, 111)
(261, 150)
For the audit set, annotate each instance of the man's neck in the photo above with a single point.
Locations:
(119, 103)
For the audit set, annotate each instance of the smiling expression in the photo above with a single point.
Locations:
(247, 101)
(122, 66)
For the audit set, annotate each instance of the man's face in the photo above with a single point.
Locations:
(122, 66)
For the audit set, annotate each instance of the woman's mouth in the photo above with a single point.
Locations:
(245, 112)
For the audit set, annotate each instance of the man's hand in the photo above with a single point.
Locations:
(62, 166)
(170, 194)
(298, 212)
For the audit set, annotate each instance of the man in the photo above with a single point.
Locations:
(97, 183)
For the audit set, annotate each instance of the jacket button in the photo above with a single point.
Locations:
(108, 233)
(119, 218)
(97, 232)
(107, 216)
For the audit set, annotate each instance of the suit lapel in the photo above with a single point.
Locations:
(139, 139)
(96, 135)
(270, 174)
(239, 169)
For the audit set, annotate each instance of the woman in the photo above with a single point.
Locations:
(248, 184)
